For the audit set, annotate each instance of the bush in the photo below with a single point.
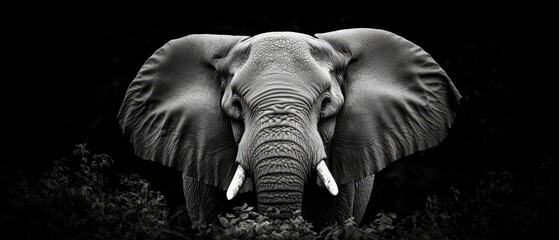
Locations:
(502, 207)
(244, 223)
(75, 200)
(80, 199)
(380, 228)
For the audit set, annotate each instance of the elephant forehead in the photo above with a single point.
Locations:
(281, 51)
(279, 60)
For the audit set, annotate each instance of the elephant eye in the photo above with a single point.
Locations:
(325, 103)
(328, 106)
(237, 108)
(325, 107)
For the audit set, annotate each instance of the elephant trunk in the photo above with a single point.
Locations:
(280, 158)
(279, 150)
(280, 171)
(280, 185)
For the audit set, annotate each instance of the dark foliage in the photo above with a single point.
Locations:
(80, 198)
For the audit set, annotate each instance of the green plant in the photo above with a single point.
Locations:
(244, 223)
(80, 198)
(502, 207)
(380, 228)
(76, 200)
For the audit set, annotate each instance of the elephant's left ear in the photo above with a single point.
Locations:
(398, 101)
(172, 110)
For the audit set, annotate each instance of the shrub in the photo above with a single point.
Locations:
(380, 228)
(502, 207)
(244, 223)
(75, 200)
(81, 199)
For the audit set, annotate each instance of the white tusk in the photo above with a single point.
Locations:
(236, 183)
(327, 178)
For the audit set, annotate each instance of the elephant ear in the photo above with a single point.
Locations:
(398, 101)
(172, 110)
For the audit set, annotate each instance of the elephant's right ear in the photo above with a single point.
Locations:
(172, 110)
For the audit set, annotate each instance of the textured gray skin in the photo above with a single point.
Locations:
(277, 104)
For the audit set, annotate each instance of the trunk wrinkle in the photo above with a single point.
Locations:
(280, 158)
(276, 147)
(280, 164)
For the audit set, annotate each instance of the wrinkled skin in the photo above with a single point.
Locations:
(275, 105)
(278, 94)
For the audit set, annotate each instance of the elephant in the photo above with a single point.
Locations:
(304, 122)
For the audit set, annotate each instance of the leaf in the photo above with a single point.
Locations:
(224, 222)
(277, 235)
(335, 234)
(285, 227)
(244, 216)
(254, 214)
(250, 221)
(177, 233)
(180, 228)
(245, 225)
(251, 233)
(260, 218)
(229, 215)
(249, 209)
(259, 229)
(240, 208)
(284, 233)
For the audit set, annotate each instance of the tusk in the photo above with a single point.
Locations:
(236, 183)
(327, 178)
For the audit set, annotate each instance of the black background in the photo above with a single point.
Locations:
(68, 71)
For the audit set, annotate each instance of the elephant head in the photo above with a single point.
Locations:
(281, 107)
